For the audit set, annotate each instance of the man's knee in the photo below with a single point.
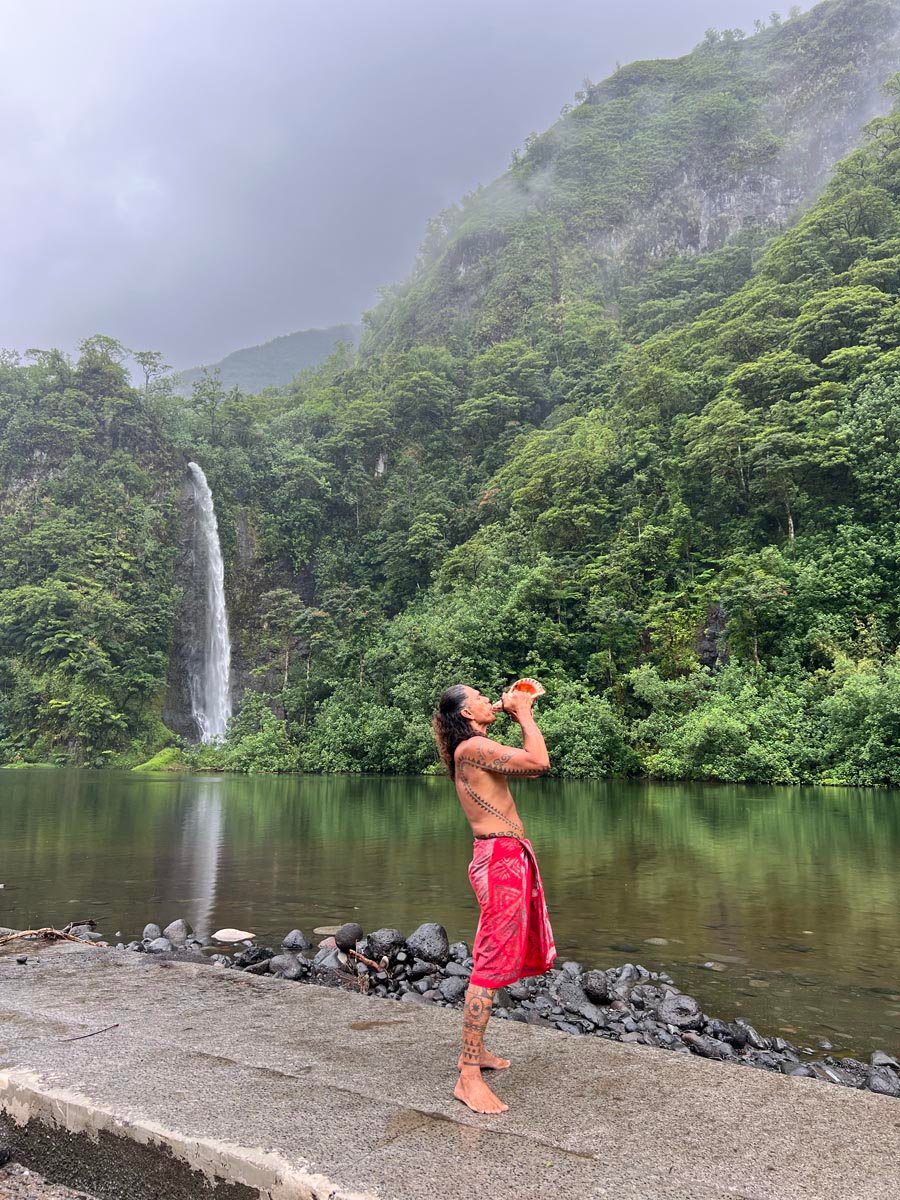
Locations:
(475, 992)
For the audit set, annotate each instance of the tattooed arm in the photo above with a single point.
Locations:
(529, 762)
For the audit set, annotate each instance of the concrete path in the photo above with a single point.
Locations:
(285, 1090)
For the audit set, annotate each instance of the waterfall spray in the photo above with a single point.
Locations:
(210, 683)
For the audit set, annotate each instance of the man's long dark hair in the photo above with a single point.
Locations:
(450, 726)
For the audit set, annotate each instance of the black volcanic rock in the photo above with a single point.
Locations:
(430, 942)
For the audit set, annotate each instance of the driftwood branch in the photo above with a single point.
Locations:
(368, 961)
(91, 924)
(48, 932)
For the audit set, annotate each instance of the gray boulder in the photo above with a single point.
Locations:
(296, 940)
(286, 966)
(330, 958)
(348, 935)
(596, 986)
(178, 931)
(883, 1081)
(413, 998)
(385, 942)
(880, 1059)
(160, 945)
(681, 1011)
(453, 988)
(727, 1031)
(430, 942)
(828, 1074)
(567, 991)
(457, 969)
(754, 1039)
(707, 1047)
(151, 931)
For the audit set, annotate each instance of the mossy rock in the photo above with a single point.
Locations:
(170, 758)
(30, 766)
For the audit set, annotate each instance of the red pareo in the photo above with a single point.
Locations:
(514, 937)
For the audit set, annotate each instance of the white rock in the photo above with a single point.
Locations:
(233, 935)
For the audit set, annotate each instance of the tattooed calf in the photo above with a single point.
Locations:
(476, 1012)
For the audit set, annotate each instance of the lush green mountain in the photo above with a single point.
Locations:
(672, 499)
(664, 158)
(274, 363)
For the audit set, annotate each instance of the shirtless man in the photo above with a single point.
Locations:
(514, 937)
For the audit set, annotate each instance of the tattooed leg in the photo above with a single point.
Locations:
(471, 1088)
(476, 1013)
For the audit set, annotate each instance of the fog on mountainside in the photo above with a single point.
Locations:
(193, 178)
(663, 159)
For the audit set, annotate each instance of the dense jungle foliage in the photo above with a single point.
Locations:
(675, 506)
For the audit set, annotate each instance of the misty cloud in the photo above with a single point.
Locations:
(195, 177)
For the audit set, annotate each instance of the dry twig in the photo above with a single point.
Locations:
(368, 961)
(48, 932)
(93, 1033)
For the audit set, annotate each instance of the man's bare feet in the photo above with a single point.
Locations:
(488, 1062)
(473, 1091)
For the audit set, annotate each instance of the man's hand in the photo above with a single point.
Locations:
(517, 704)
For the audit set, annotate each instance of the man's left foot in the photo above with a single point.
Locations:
(488, 1062)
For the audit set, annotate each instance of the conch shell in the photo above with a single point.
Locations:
(530, 687)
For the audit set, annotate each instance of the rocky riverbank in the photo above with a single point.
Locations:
(624, 1003)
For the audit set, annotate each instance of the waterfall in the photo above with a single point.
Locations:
(210, 680)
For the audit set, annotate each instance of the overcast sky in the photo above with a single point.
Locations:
(193, 176)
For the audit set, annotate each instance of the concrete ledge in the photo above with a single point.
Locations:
(92, 1147)
(222, 1082)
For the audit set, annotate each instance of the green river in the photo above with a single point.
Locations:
(794, 891)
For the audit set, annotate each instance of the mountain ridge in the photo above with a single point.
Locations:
(273, 363)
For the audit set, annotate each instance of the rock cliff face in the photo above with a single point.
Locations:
(248, 580)
(712, 647)
(249, 576)
(710, 203)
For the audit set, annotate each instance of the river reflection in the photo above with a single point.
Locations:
(794, 890)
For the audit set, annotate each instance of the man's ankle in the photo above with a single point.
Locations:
(470, 1068)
